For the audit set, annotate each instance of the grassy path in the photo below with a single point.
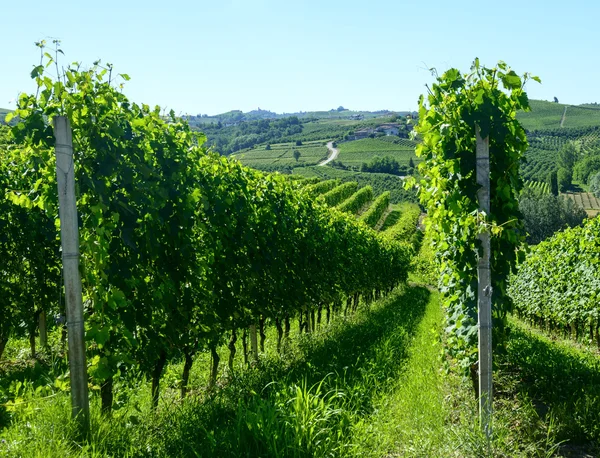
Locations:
(383, 218)
(547, 401)
(411, 417)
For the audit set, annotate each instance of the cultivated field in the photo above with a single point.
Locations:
(380, 182)
(282, 154)
(542, 155)
(359, 151)
(587, 201)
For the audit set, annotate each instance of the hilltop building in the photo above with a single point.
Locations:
(363, 133)
(389, 128)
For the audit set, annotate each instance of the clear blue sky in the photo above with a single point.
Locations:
(211, 57)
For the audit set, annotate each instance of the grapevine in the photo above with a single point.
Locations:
(181, 248)
(457, 104)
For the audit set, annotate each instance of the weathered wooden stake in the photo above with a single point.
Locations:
(69, 236)
(43, 329)
(484, 291)
(253, 343)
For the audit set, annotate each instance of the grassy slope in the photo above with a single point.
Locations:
(560, 382)
(546, 403)
(547, 115)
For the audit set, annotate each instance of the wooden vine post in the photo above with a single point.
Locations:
(484, 289)
(253, 343)
(69, 237)
(459, 110)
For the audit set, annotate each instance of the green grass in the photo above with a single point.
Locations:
(303, 404)
(546, 401)
(561, 381)
(410, 417)
(368, 385)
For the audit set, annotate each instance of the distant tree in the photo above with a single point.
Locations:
(298, 143)
(340, 108)
(411, 163)
(595, 184)
(565, 179)
(339, 165)
(555, 100)
(296, 155)
(567, 156)
(268, 147)
(553, 183)
(385, 164)
(544, 214)
(587, 167)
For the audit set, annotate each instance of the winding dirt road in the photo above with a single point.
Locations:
(333, 154)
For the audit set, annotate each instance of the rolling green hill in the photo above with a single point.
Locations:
(548, 115)
(231, 138)
(281, 156)
(550, 126)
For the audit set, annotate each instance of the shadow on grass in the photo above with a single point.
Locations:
(357, 345)
(338, 372)
(391, 219)
(562, 383)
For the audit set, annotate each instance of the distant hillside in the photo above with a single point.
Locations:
(3, 113)
(549, 115)
(235, 117)
(232, 138)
